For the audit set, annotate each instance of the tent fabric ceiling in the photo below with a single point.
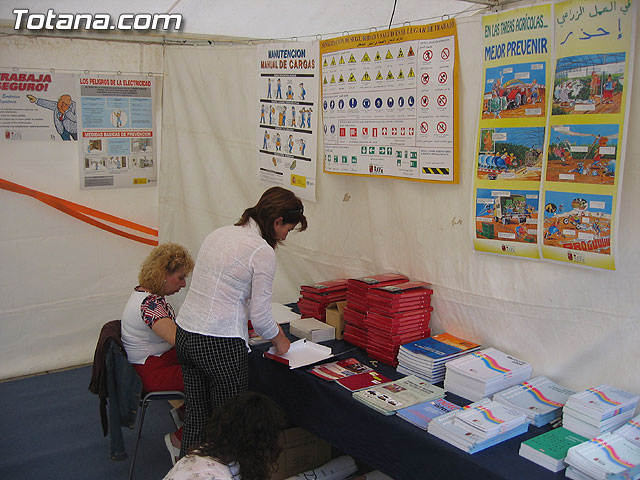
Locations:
(265, 19)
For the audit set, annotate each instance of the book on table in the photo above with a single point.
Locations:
(339, 369)
(422, 413)
(389, 397)
(362, 380)
(488, 420)
(550, 448)
(301, 353)
(606, 457)
(540, 399)
(631, 430)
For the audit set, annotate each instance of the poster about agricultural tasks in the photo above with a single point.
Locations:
(586, 142)
(511, 130)
(38, 105)
(389, 103)
(116, 136)
(287, 116)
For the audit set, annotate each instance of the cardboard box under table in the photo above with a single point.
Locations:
(302, 451)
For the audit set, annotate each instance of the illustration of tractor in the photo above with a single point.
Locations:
(511, 207)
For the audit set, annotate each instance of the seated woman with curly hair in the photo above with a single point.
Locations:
(244, 440)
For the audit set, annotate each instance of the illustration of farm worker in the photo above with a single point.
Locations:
(303, 119)
(269, 88)
(579, 169)
(284, 116)
(118, 115)
(607, 90)
(265, 140)
(309, 110)
(594, 86)
(610, 170)
(303, 92)
(289, 92)
(534, 91)
(303, 145)
(262, 120)
(487, 141)
(279, 89)
(290, 143)
(495, 105)
(293, 116)
(278, 143)
(64, 115)
(272, 110)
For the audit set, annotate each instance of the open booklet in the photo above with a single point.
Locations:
(301, 352)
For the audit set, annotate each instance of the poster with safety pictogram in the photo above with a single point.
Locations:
(389, 103)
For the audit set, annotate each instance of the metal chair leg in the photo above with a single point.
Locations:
(143, 410)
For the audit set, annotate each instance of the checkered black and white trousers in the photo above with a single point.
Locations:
(214, 370)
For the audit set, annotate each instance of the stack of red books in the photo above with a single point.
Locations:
(355, 312)
(314, 298)
(397, 314)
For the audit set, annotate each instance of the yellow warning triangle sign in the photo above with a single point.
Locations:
(352, 78)
(366, 57)
(352, 59)
(333, 79)
(400, 54)
(341, 79)
(379, 76)
(389, 56)
(341, 62)
(333, 61)
(411, 74)
(411, 53)
(325, 80)
(366, 77)
(390, 75)
(325, 63)
(378, 57)
(400, 75)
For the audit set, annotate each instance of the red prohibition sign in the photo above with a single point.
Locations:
(424, 127)
(442, 100)
(445, 53)
(442, 77)
(424, 101)
(442, 127)
(427, 55)
(425, 78)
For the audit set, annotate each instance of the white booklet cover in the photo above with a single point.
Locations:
(301, 353)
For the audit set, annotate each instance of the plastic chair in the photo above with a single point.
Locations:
(144, 403)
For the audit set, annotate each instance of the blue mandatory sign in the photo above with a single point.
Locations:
(325, 104)
(332, 104)
(390, 102)
(333, 129)
(411, 101)
(353, 103)
(401, 101)
(340, 104)
(366, 103)
(378, 102)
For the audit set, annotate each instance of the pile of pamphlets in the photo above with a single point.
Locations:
(550, 448)
(387, 398)
(396, 314)
(427, 357)
(631, 430)
(339, 369)
(540, 399)
(483, 373)
(605, 457)
(355, 311)
(479, 426)
(421, 414)
(598, 410)
(315, 298)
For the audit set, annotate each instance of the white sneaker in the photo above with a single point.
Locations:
(176, 418)
(173, 451)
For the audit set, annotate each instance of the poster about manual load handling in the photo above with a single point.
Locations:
(389, 103)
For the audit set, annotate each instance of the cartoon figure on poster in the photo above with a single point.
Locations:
(515, 91)
(64, 115)
(507, 215)
(589, 84)
(584, 225)
(583, 154)
(118, 118)
(511, 153)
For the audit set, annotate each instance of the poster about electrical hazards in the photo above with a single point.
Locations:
(287, 116)
(116, 132)
(389, 103)
(551, 134)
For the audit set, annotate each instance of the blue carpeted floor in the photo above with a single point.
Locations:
(50, 429)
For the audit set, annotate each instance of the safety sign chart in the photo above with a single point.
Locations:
(389, 103)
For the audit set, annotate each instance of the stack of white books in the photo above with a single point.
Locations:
(540, 399)
(606, 457)
(479, 426)
(426, 358)
(598, 410)
(389, 397)
(483, 373)
(631, 430)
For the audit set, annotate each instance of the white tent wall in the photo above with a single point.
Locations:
(577, 326)
(62, 279)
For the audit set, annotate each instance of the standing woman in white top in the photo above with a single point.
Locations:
(148, 323)
(231, 284)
